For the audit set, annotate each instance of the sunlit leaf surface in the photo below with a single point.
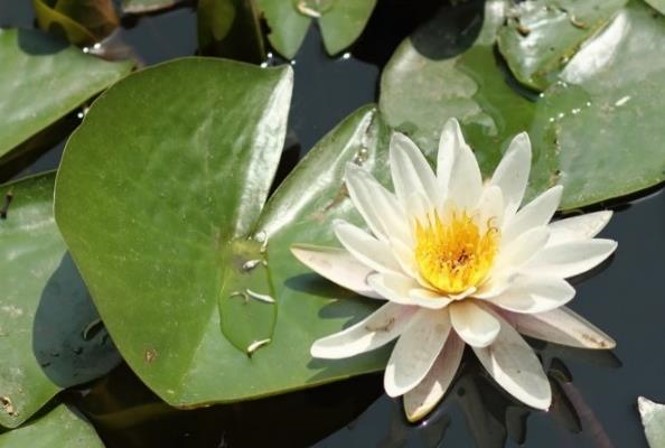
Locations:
(41, 80)
(50, 334)
(653, 419)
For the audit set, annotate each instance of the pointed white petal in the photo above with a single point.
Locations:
(466, 183)
(415, 351)
(563, 326)
(569, 259)
(398, 289)
(493, 286)
(534, 294)
(512, 364)
(517, 252)
(476, 326)
(536, 213)
(378, 207)
(449, 144)
(491, 207)
(337, 265)
(420, 401)
(410, 170)
(578, 227)
(403, 253)
(375, 331)
(367, 249)
(512, 173)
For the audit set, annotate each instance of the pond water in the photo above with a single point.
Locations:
(595, 393)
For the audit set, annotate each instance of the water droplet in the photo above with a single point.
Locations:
(346, 56)
(361, 156)
(622, 101)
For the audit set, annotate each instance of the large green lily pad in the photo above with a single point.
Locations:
(60, 427)
(542, 35)
(41, 80)
(205, 304)
(50, 333)
(596, 131)
(341, 22)
(659, 5)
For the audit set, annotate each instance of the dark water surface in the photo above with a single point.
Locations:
(595, 393)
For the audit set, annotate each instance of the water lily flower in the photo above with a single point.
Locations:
(459, 262)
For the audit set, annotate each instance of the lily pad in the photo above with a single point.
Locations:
(653, 419)
(595, 131)
(60, 427)
(230, 29)
(81, 22)
(205, 303)
(658, 5)
(341, 22)
(542, 35)
(41, 80)
(142, 6)
(50, 334)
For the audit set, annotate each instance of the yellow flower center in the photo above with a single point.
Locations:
(457, 254)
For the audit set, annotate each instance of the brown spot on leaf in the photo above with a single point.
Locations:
(150, 355)
(8, 406)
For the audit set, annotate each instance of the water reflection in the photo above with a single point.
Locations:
(480, 413)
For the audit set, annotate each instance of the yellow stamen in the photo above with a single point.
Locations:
(455, 255)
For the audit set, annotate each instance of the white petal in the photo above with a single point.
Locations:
(512, 364)
(449, 144)
(399, 289)
(563, 326)
(466, 183)
(536, 213)
(367, 249)
(491, 207)
(419, 401)
(415, 351)
(534, 294)
(494, 285)
(375, 331)
(512, 173)
(476, 326)
(378, 207)
(578, 227)
(517, 252)
(337, 265)
(569, 259)
(410, 170)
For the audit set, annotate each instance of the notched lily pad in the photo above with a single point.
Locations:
(541, 36)
(341, 22)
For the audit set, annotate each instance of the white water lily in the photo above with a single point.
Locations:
(459, 262)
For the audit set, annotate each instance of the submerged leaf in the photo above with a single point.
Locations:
(81, 22)
(143, 6)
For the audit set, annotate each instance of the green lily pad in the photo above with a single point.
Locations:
(595, 131)
(653, 419)
(41, 80)
(143, 6)
(199, 292)
(50, 333)
(230, 29)
(658, 5)
(60, 427)
(81, 22)
(341, 22)
(542, 35)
